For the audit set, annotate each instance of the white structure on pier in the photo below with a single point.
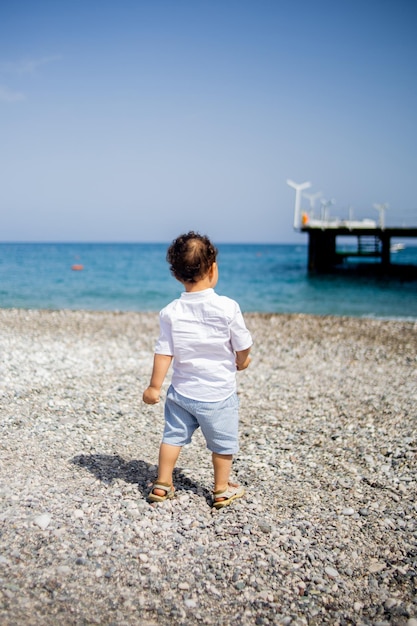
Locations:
(299, 187)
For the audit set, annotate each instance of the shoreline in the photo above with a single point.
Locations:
(407, 319)
(326, 533)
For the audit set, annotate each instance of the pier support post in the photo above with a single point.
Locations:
(386, 250)
(321, 250)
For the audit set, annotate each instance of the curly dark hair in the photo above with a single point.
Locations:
(190, 257)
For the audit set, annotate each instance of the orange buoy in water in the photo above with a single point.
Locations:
(77, 268)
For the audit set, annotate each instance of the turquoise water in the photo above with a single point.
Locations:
(135, 277)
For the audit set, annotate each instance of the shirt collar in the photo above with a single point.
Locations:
(197, 295)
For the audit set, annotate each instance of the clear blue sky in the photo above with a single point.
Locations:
(137, 120)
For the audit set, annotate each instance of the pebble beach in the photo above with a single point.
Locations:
(326, 532)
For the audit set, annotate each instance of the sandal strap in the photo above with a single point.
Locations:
(227, 493)
(163, 486)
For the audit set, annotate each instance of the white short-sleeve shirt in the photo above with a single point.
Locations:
(202, 331)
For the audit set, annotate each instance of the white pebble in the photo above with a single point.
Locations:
(43, 521)
(331, 572)
(376, 567)
(183, 586)
(348, 511)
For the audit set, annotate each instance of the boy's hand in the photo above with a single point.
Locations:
(151, 395)
(242, 359)
(244, 365)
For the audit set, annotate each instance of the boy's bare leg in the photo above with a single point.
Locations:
(168, 457)
(222, 465)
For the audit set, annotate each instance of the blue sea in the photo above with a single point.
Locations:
(136, 277)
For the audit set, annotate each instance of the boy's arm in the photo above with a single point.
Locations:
(161, 363)
(242, 359)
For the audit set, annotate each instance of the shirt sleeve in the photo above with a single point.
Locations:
(241, 338)
(164, 345)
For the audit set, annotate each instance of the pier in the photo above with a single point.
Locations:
(372, 240)
(323, 254)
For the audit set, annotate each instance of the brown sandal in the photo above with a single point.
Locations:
(169, 492)
(228, 495)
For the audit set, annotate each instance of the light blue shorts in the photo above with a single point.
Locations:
(218, 422)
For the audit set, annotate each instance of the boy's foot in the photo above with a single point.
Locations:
(224, 497)
(160, 492)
